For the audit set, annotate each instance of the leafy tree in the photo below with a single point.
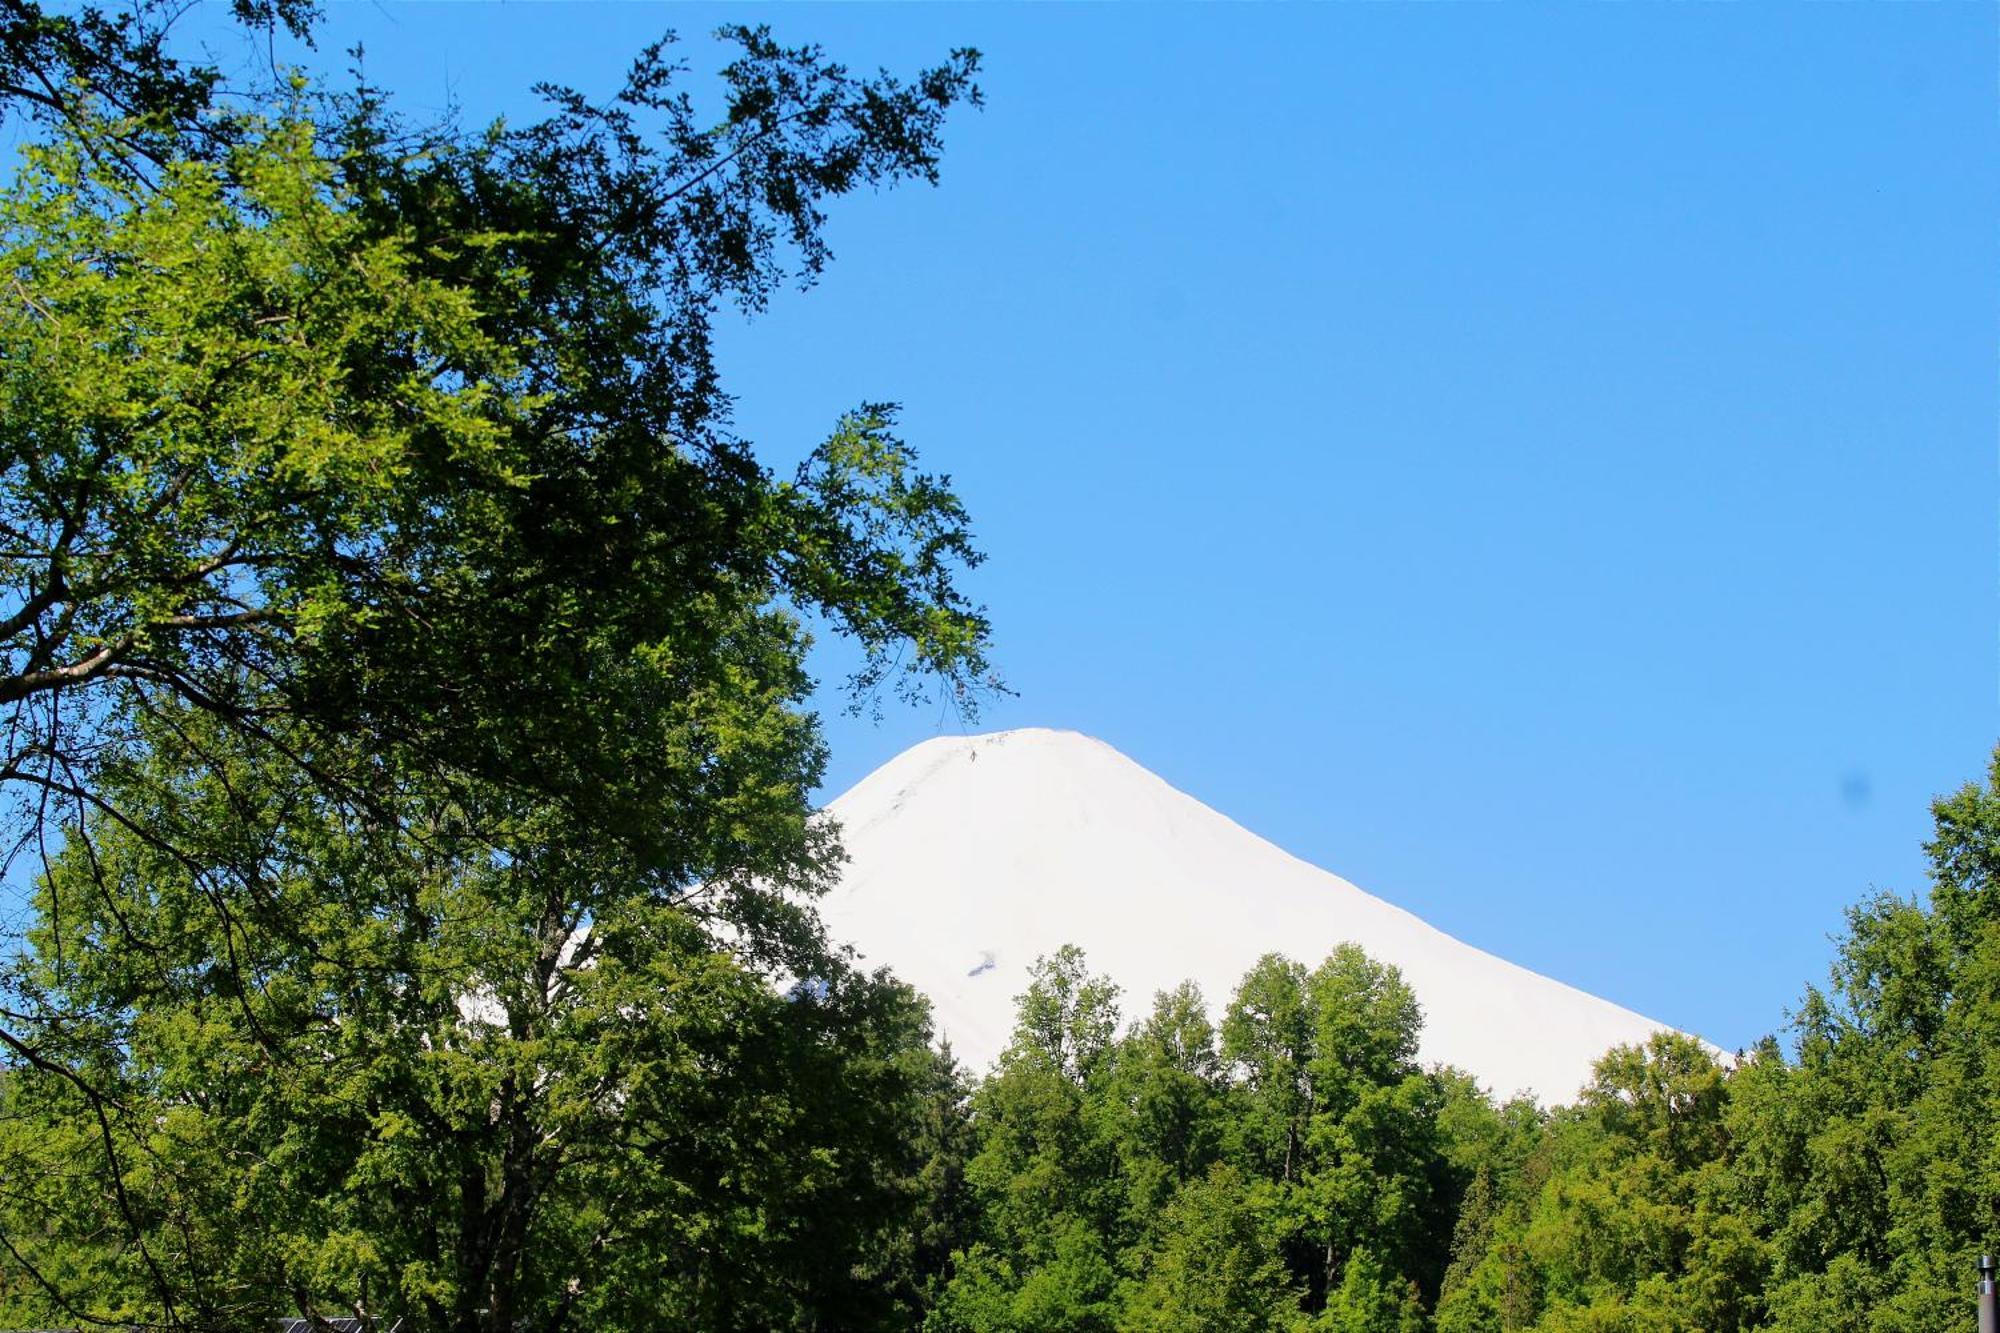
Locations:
(1625, 1215)
(1166, 1094)
(1308, 1174)
(1338, 1122)
(405, 687)
(433, 447)
(329, 438)
(1046, 1173)
(1068, 1017)
(1844, 1188)
(1895, 1101)
(1842, 1185)
(62, 68)
(465, 1123)
(1071, 1287)
(1372, 1138)
(1267, 1036)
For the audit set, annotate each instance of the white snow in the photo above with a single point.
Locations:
(971, 856)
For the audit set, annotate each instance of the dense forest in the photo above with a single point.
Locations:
(407, 747)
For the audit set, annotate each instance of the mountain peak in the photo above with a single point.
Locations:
(971, 856)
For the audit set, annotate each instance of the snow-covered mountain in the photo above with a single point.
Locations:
(971, 856)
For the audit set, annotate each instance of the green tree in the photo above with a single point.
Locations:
(617, 1122)
(1067, 1018)
(1844, 1185)
(1166, 1096)
(1337, 1121)
(946, 1210)
(431, 446)
(1047, 1172)
(406, 700)
(1894, 1104)
(63, 67)
(1267, 1037)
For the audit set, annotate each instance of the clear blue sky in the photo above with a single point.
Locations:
(1538, 462)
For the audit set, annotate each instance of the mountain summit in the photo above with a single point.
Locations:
(971, 856)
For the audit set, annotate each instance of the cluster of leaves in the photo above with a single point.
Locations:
(1296, 1171)
(427, 442)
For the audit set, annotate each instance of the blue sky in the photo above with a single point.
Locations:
(1537, 462)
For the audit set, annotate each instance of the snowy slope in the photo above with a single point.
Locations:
(970, 856)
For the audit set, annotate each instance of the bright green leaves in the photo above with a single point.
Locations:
(1215, 1268)
(405, 681)
(1297, 1171)
(1067, 1018)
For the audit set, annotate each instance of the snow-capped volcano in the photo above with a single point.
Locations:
(971, 856)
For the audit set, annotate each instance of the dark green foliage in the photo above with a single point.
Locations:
(62, 65)
(460, 1084)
